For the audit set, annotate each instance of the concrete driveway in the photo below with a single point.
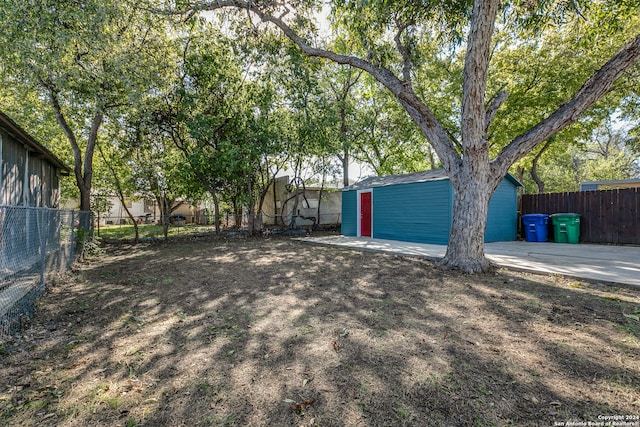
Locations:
(617, 264)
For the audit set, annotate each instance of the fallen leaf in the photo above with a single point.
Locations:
(299, 408)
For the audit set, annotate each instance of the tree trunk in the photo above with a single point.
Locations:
(251, 216)
(345, 167)
(82, 164)
(536, 178)
(472, 192)
(466, 239)
(320, 194)
(165, 213)
(121, 196)
(216, 212)
(534, 166)
(237, 213)
(136, 229)
(294, 211)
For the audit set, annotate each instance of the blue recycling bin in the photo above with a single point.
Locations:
(536, 227)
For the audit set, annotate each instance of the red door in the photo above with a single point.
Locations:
(365, 214)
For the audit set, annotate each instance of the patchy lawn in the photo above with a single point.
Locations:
(273, 332)
(146, 231)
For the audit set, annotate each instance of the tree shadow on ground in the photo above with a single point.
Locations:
(274, 332)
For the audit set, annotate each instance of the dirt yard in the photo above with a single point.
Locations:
(273, 332)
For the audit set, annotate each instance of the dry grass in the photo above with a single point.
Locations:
(272, 332)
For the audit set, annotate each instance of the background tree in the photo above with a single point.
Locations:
(391, 143)
(85, 60)
(221, 117)
(384, 36)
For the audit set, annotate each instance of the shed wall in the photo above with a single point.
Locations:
(35, 181)
(502, 219)
(422, 212)
(415, 212)
(349, 213)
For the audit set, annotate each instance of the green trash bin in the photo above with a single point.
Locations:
(566, 227)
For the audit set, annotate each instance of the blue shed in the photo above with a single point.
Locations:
(418, 207)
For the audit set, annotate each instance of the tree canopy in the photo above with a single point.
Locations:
(236, 91)
(385, 41)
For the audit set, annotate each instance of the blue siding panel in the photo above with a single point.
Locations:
(416, 212)
(421, 212)
(502, 220)
(349, 226)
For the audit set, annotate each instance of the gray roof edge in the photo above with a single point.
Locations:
(423, 176)
(514, 180)
(611, 181)
(12, 126)
(408, 178)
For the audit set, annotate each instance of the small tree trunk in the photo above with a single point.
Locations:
(320, 193)
(534, 166)
(345, 167)
(165, 214)
(237, 214)
(294, 211)
(216, 212)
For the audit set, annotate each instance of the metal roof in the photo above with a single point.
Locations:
(16, 131)
(612, 183)
(423, 176)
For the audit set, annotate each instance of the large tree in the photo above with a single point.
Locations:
(86, 59)
(386, 38)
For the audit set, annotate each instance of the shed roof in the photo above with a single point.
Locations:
(423, 176)
(16, 131)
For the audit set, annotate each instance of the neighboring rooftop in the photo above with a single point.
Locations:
(610, 184)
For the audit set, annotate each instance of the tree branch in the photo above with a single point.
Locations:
(62, 121)
(593, 89)
(476, 68)
(534, 166)
(406, 63)
(495, 104)
(430, 126)
(92, 141)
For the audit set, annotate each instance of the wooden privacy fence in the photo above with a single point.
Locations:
(608, 216)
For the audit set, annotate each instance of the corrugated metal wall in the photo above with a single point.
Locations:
(43, 181)
(13, 163)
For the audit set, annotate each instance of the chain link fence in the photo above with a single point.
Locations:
(34, 243)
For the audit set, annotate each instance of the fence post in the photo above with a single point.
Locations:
(43, 246)
(72, 243)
